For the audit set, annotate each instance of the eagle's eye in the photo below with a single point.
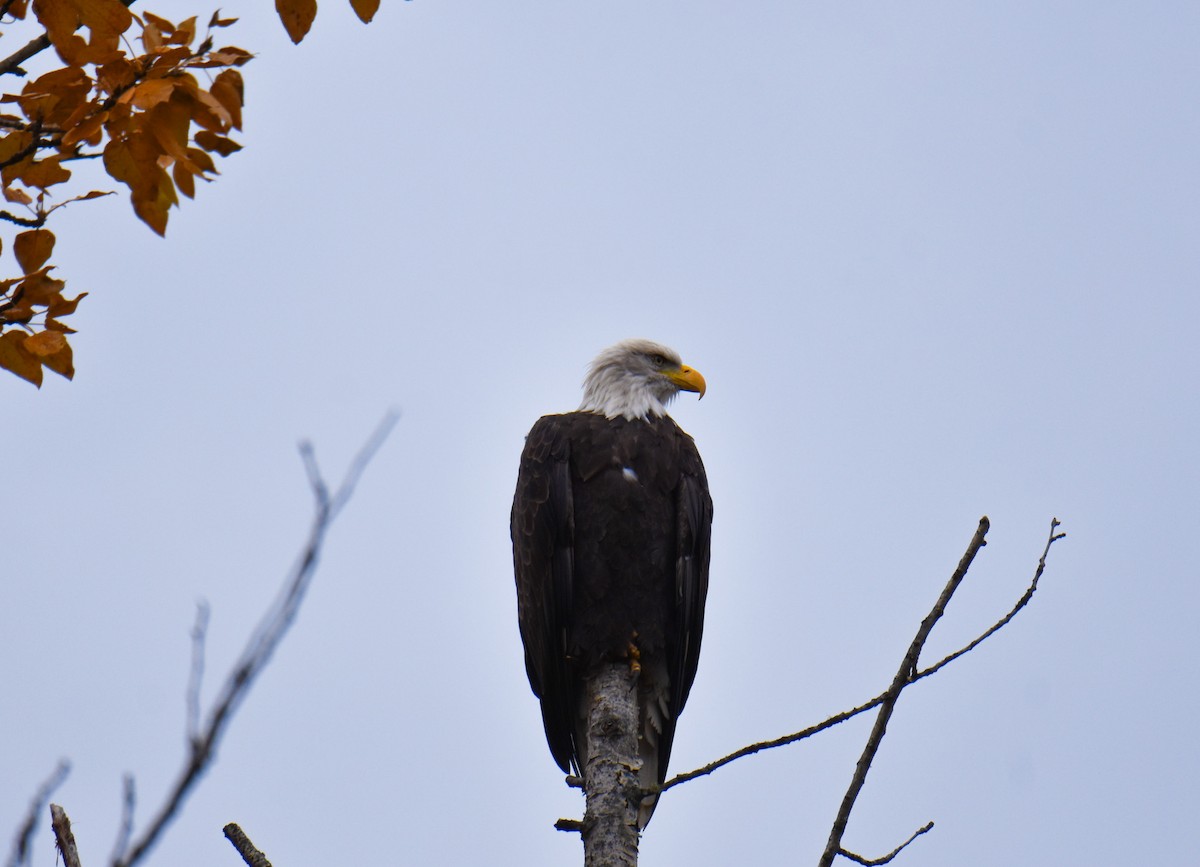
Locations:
(658, 361)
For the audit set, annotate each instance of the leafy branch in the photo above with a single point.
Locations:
(153, 122)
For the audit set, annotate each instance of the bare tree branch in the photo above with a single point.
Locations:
(926, 828)
(909, 672)
(839, 718)
(908, 667)
(263, 641)
(125, 830)
(196, 675)
(12, 63)
(252, 856)
(772, 744)
(21, 851)
(63, 838)
(1003, 621)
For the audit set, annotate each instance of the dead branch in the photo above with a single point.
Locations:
(250, 854)
(859, 859)
(262, 643)
(21, 851)
(63, 838)
(909, 672)
(908, 667)
(772, 744)
(125, 829)
(838, 718)
(1003, 621)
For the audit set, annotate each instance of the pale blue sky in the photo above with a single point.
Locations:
(935, 260)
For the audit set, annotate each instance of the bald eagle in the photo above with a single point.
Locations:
(610, 532)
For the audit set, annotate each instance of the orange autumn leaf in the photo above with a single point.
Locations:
(297, 16)
(45, 343)
(210, 141)
(16, 358)
(365, 9)
(105, 21)
(227, 88)
(61, 362)
(32, 249)
(185, 180)
(63, 306)
(43, 173)
(40, 288)
(150, 93)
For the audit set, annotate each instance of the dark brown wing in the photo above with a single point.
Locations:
(543, 531)
(694, 511)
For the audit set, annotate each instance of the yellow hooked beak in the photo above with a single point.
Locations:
(687, 379)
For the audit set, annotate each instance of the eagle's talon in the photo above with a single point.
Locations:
(635, 657)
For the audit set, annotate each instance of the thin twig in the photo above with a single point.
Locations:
(196, 675)
(1003, 621)
(874, 862)
(22, 843)
(264, 640)
(842, 717)
(772, 744)
(63, 838)
(125, 830)
(908, 667)
(251, 855)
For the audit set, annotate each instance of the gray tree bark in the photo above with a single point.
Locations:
(610, 780)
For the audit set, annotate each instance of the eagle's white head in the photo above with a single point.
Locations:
(637, 379)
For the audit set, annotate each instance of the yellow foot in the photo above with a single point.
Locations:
(635, 656)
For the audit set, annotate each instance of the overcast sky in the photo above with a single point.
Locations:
(935, 260)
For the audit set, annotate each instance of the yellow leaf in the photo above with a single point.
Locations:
(40, 288)
(209, 113)
(169, 123)
(231, 55)
(161, 23)
(13, 194)
(150, 93)
(227, 88)
(16, 358)
(151, 205)
(365, 9)
(116, 75)
(297, 16)
(43, 173)
(63, 306)
(32, 249)
(105, 21)
(185, 32)
(203, 160)
(61, 362)
(152, 38)
(210, 141)
(55, 325)
(185, 181)
(87, 129)
(13, 143)
(45, 343)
